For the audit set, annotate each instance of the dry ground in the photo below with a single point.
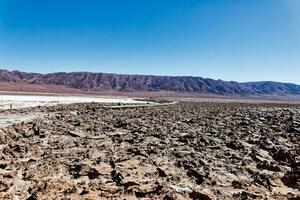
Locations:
(187, 150)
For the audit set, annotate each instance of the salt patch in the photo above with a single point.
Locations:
(21, 101)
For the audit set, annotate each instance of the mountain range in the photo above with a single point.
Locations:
(97, 82)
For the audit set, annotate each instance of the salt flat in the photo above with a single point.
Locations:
(21, 101)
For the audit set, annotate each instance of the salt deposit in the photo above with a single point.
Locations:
(8, 119)
(21, 101)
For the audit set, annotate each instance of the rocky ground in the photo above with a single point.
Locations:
(181, 151)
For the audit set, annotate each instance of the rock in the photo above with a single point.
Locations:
(197, 175)
(202, 195)
(147, 192)
(83, 170)
(237, 184)
(3, 186)
(246, 195)
(283, 155)
(292, 178)
(116, 176)
(128, 183)
(181, 189)
(262, 180)
(234, 145)
(268, 165)
(161, 172)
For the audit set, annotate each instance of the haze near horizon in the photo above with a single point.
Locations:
(230, 40)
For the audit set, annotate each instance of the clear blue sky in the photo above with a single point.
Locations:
(242, 40)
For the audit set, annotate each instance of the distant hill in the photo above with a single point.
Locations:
(270, 87)
(97, 82)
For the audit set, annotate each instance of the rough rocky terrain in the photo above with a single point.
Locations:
(87, 81)
(181, 151)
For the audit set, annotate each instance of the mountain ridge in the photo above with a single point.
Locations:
(91, 81)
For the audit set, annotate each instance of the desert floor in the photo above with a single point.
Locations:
(184, 150)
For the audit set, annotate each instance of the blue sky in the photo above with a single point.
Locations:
(242, 40)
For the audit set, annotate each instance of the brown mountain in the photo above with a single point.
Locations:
(96, 82)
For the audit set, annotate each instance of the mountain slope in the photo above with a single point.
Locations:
(270, 87)
(87, 81)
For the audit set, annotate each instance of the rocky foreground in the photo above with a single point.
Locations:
(181, 151)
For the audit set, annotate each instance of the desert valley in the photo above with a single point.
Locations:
(149, 100)
(86, 146)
